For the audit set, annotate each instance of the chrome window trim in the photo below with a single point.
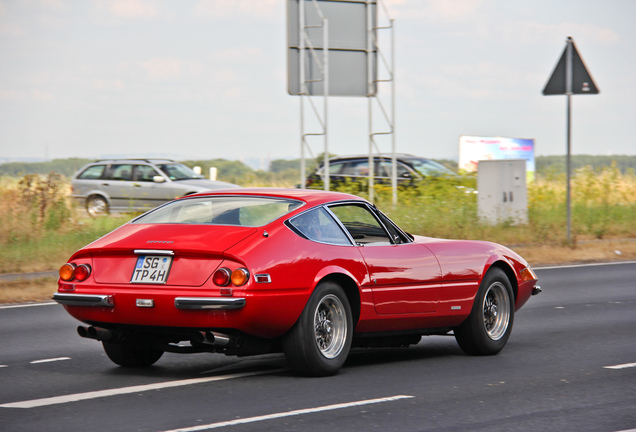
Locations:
(288, 224)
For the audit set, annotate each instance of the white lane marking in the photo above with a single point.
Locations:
(621, 366)
(23, 305)
(582, 265)
(1, 366)
(125, 390)
(50, 360)
(290, 414)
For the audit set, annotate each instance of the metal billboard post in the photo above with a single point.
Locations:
(304, 44)
(349, 67)
(373, 83)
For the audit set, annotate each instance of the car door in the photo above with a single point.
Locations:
(117, 184)
(384, 169)
(405, 277)
(148, 192)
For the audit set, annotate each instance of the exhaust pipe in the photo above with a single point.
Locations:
(96, 333)
(211, 338)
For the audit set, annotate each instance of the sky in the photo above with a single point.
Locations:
(207, 79)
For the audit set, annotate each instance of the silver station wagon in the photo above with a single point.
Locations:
(118, 185)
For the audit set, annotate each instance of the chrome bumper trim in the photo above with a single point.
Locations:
(209, 302)
(84, 299)
(536, 290)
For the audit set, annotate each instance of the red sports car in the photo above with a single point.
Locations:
(308, 273)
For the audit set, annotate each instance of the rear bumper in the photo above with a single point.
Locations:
(84, 299)
(264, 313)
(227, 303)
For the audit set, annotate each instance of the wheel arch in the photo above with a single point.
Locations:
(351, 290)
(510, 274)
(98, 194)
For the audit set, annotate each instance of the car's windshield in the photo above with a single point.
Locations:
(177, 171)
(428, 167)
(248, 211)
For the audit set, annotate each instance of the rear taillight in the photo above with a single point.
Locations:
(72, 271)
(240, 277)
(66, 272)
(222, 277)
(82, 272)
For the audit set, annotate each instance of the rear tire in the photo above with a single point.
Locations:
(96, 206)
(319, 342)
(131, 356)
(488, 327)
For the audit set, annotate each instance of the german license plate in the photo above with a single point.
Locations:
(151, 269)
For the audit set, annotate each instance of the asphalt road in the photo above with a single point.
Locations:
(570, 365)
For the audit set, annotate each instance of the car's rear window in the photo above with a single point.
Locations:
(92, 172)
(248, 211)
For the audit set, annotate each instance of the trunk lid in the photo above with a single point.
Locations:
(197, 251)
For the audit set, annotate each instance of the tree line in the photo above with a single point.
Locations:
(285, 170)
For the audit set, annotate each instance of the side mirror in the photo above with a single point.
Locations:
(158, 179)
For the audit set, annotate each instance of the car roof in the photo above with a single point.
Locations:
(377, 155)
(310, 196)
(153, 161)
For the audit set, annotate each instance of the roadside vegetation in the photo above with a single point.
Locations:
(40, 227)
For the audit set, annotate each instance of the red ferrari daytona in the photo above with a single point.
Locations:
(307, 273)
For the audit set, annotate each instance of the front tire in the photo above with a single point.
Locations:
(319, 342)
(131, 356)
(488, 327)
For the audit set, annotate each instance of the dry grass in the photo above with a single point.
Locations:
(27, 290)
(601, 251)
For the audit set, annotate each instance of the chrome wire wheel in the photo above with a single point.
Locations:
(330, 326)
(496, 309)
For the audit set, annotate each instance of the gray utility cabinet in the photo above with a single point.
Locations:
(503, 194)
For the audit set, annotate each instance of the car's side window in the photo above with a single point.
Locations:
(384, 169)
(403, 171)
(92, 172)
(356, 168)
(144, 173)
(362, 225)
(335, 168)
(318, 225)
(396, 234)
(120, 172)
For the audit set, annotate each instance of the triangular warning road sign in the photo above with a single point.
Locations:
(580, 82)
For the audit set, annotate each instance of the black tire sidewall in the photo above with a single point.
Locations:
(131, 356)
(299, 344)
(471, 334)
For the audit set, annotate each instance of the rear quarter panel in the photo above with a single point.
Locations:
(295, 265)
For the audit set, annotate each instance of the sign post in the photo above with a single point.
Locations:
(570, 77)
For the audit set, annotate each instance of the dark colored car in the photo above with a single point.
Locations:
(410, 170)
(136, 184)
(305, 272)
